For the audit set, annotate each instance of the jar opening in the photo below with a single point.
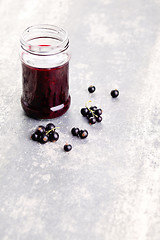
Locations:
(44, 39)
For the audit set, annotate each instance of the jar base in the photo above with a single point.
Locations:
(47, 113)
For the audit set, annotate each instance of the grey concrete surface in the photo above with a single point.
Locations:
(108, 186)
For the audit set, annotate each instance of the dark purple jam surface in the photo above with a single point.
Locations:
(45, 91)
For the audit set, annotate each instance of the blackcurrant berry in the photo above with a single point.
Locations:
(92, 120)
(99, 119)
(40, 134)
(91, 89)
(83, 134)
(75, 131)
(53, 136)
(49, 126)
(84, 111)
(114, 93)
(35, 136)
(44, 138)
(41, 129)
(79, 132)
(67, 147)
(93, 108)
(98, 112)
(89, 115)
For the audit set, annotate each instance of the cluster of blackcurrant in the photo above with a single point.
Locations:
(93, 114)
(45, 134)
(79, 133)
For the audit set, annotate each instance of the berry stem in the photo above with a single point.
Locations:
(93, 112)
(86, 105)
(90, 109)
(51, 130)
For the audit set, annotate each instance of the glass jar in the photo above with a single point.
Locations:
(45, 71)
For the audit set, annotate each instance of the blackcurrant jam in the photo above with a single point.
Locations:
(45, 71)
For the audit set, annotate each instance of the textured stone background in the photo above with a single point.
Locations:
(108, 186)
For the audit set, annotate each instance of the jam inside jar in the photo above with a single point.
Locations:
(45, 71)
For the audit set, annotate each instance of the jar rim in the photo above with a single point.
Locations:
(33, 33)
